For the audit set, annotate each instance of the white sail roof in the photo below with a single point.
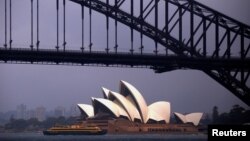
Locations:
(159, 111)
(152, 115)
(122, 112)
(180, 117)
(135, 97)
(192, 117)
(126, 105)
(88, 110)
(114, 108)
(105, 92)
(130, 104)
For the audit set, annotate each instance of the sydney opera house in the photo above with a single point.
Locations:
(128, 112)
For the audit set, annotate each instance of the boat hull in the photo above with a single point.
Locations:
(47, 132)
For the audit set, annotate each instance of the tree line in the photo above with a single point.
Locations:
(237, 115)
(33, 124)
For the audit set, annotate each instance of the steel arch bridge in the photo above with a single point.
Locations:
(192, 35)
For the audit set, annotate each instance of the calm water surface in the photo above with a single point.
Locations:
(41, 137)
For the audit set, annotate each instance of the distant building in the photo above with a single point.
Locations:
(31, 114)
(74, 111)
(21, 111)
(60, 112)
(40, 113)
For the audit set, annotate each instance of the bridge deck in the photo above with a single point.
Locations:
(169, 62)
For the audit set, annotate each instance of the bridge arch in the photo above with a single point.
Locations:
(135, 23)
(223, 76)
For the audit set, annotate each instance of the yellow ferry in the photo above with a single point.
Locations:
(74, 130)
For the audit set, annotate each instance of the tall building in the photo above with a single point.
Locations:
(74, 111)
(21, 111)
(40, 113)
(60, 111)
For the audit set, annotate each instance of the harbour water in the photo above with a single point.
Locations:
(148, 137)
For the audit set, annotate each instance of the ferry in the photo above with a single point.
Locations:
(74, 130)
(121, 126)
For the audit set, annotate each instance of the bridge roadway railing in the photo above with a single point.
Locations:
(146, 60)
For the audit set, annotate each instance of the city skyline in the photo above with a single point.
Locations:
(22, 111)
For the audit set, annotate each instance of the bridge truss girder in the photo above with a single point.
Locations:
(171, 62)
(234, 80)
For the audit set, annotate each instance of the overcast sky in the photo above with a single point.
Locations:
(52, 86)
